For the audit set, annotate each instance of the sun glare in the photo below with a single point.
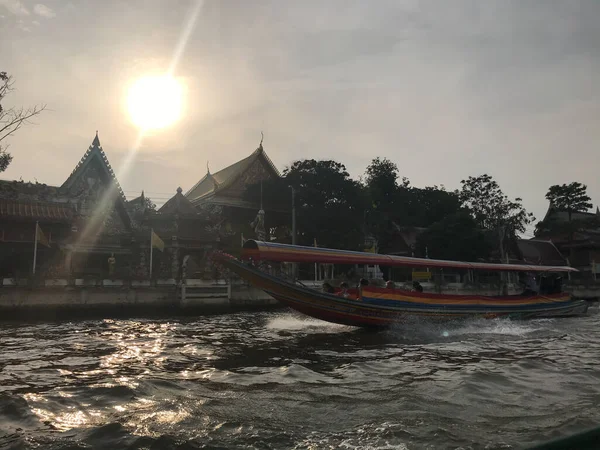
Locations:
(155, 102)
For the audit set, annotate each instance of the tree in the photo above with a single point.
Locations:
(493, 210)
(384, 196)
(432, 204)
(329, 204)
(455, 237)
(11, 119)
(569, 197)
(381, 181)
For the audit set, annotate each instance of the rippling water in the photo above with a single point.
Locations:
(277, 380)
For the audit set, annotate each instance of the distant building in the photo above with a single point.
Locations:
(582, 248)
(223, 193)
(87, 221)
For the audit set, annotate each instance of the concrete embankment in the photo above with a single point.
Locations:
(57, 299)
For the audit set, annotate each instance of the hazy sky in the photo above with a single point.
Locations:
(446, 89)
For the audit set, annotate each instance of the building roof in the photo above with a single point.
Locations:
(537, 251)
(211, 184)
(94, 153)
(559, 215)
(178, 204)
(95, 158)
(138, 201)
(48, 211)
(22, 190)
(404, 239)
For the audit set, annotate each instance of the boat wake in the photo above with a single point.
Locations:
(422, 331)
(292, 322)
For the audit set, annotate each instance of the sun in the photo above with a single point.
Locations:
(155, 102)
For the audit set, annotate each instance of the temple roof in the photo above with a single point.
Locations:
(218, 182)
(178, 204)
(94, 152)
(537, 251)
(48, 211)
(95, 157)
(554, 213)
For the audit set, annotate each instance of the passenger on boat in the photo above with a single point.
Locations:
(417, 287)
(344, 289)
(531, 286)
(390, 285)
(328, 288)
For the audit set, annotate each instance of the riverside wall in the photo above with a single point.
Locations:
(56, 299)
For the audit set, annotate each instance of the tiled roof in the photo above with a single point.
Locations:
(178, 204)
(35, 210)
(94, 151)
(537, 251)
(210, 183)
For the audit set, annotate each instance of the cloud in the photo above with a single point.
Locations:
(44, 11)
(15, 7)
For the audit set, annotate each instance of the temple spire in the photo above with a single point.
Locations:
(207, 168)
(262, 136)
(96, 141)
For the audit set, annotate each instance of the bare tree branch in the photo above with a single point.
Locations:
(12, 119)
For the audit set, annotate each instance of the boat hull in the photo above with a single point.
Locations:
(383, 308)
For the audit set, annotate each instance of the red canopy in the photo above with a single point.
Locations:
(269, 251)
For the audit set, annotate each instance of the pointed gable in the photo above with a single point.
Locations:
(178, 204)
(90, 179)
(232, 180)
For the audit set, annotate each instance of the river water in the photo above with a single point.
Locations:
(278, 380)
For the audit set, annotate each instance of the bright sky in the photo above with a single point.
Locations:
(446, 89)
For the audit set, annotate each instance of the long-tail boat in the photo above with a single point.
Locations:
(371, 306)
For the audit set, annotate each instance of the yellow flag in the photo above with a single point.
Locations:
(41, 237)
(156, 242)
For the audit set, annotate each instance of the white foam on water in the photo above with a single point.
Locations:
(289, 322)
(422, 330)
(504, 327)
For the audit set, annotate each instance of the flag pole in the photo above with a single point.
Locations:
(151, 247)
(35, 246)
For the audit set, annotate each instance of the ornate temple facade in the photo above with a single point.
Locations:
(223, 194)
(91, 229)
(94, 232)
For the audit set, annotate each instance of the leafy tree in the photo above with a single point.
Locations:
(11, 119)
(329, 204)
(432, 204)
(493, 210)
(384, 199)
(394, 205)
(569, 197)
(381, 182)
(455, 237)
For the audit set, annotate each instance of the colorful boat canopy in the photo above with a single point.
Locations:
(269, 251)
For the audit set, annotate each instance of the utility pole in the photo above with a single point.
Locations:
(293, 216)
(293, 228)
(503, 259)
